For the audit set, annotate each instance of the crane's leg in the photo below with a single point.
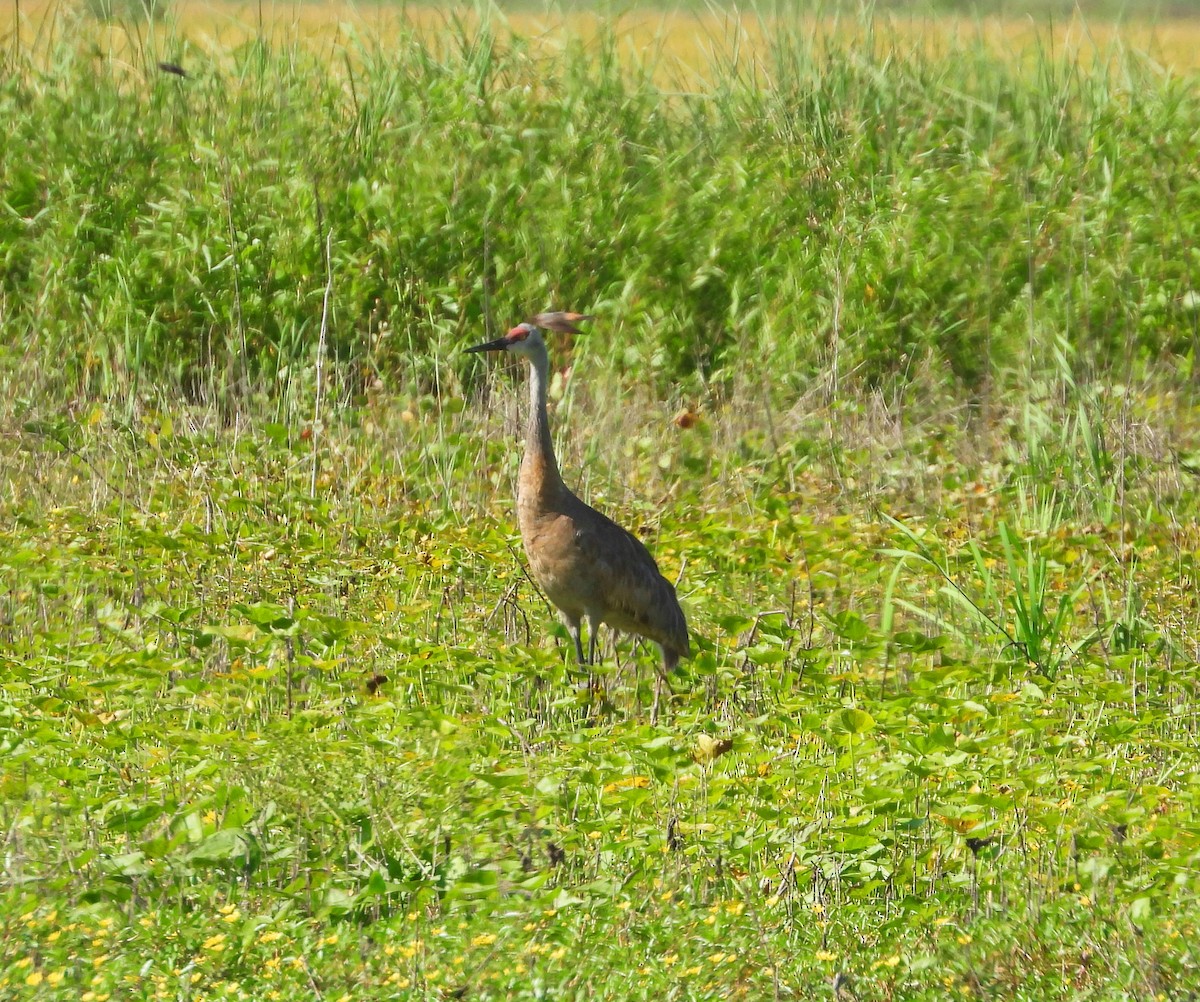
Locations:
(670, 660)
(573, 629)
(593, 637)
(593, 634)
(573, 624)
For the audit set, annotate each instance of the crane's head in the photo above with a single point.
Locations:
(524, 339)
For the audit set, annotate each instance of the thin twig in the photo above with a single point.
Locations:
(682, 568)
(316, 425)
(525, 573)
(763, 938)
(239, 317)
(31, 429)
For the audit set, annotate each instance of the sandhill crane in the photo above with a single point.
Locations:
(587, 565)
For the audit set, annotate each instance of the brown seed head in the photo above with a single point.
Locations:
(560, 321)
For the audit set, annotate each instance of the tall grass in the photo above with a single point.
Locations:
(282, 714)
(843, 210)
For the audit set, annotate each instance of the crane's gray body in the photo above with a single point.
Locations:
(588, 566)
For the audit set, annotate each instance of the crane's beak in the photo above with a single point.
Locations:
(500, 344)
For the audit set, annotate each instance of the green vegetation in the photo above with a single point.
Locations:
(282, 717)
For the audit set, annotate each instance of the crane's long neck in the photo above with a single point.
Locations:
(540, 478)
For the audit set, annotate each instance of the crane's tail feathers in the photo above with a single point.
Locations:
(671, 658)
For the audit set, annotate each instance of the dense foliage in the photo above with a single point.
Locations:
(282, 716)
(838, 206)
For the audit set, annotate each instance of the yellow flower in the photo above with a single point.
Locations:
(269, 937)
(825, 955)
(484, 939)
(628, 782)
(54, 977)
(34, 978)
(716, 958)
(215, 943)
(559, 953)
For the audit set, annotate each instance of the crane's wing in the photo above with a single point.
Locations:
(561, 321)
(639, 599)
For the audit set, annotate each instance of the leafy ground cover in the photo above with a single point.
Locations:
(259, 740)
(283, 717)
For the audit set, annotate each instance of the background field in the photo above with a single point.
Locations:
(893, 369)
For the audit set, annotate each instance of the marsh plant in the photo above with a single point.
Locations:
(893, 369)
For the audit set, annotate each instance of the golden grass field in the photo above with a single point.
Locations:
(680, 46)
